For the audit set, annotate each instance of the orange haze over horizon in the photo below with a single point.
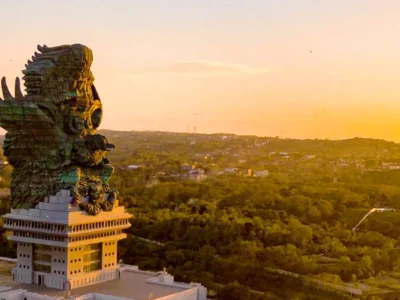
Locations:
(299, 68)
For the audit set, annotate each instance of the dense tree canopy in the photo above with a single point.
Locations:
(246, 237)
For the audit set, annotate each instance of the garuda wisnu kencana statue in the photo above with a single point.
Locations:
(51, 139)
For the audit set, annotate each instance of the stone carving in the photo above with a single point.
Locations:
(51, 139)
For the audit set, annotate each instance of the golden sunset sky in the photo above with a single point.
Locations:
(297, 68)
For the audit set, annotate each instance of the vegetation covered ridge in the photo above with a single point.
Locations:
(242, 214)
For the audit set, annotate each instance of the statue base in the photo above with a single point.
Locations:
(62, 247)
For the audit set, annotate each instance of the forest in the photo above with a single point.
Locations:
(287, 235)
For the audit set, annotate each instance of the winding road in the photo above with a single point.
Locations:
(370, 212)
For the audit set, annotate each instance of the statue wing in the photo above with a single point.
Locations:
(31, 127)
(17, 113)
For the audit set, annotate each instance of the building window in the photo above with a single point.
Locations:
(92, 267)
(43, 247)
(41, 268)
(42, 257)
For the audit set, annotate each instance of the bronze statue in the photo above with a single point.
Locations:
(51, 139)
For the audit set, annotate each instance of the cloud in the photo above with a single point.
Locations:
(203, 67)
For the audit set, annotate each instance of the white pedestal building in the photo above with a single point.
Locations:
(63, 251)
(59, 246)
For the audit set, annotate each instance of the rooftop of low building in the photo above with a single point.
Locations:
(133, 284)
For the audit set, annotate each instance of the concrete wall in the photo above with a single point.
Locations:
(34, 296)
(24, 267)
(59, 261)
(54, 281)
(107, 297)
(12, 295)
(74, 261)
(93, 277)
(191, 294)
(109, 255)
(21, 275)
(184, 295)
(201, 292)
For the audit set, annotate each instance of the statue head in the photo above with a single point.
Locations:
(60, 81)
(51, 139)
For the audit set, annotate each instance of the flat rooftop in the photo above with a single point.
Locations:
(132, 284)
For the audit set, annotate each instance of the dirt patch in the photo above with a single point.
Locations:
(5, 272)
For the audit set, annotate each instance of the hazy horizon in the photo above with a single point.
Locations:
(232, 133)
(297, 69)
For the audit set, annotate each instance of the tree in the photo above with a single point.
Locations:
(234, 291)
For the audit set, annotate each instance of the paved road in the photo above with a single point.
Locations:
(370, 212)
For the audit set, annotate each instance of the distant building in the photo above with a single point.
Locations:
(264, 173)
(197, 175)
(133, 167)
(311, 156)
(160, 174)
(196, 171)
(260, 144)
(248, 172)
(230, 170)
(186, 167)
(242, 161)
(343, 165)
(390, 166)
(394, 167)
